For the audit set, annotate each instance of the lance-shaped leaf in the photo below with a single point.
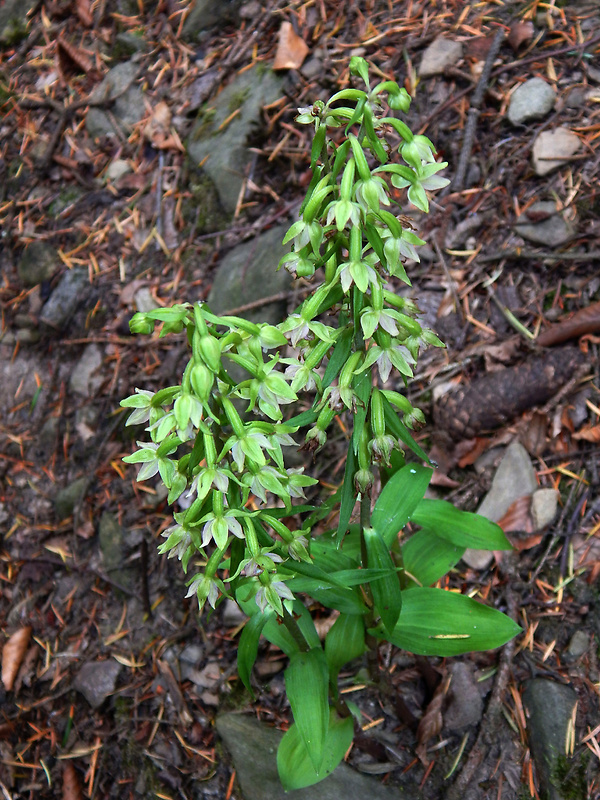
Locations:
(398, 500)
(248, 646)
(345, 641)
(306, 684)
(295, 767)
(460, 528)
(385, 591)
(427, 558)
(439, 623)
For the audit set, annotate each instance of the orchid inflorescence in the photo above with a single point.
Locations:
(217, 441)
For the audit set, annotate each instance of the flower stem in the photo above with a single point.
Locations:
(294, 630)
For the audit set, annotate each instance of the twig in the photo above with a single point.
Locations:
(521, 252)
(474, 111)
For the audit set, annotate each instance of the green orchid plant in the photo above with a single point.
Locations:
(244, 528)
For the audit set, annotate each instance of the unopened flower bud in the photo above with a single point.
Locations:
(202, 379)
(210, 352)
(363, 481)
(140, 324)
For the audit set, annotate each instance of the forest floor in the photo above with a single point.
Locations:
(111, 681)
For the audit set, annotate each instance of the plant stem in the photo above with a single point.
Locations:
(294, 631)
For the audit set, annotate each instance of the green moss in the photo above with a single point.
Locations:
(238, 99)
(569, 777)
(203, 124)
(203, 209)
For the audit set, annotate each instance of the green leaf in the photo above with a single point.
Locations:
(345, 600)
(344, 642)
(293, 763)
(248, 646)
(398, 500)
(398, 429)
(385, 591)
(348, 496)
(306, 685)
(427, 558)
(340, 354)
(439, 623)
(460, 528)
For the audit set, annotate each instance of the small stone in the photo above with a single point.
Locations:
(192, 654)
(117, 168)
(28, 336)
(66, 499)
(126, 102)
(553, 149)
(514, 478)
(97, 680)
(144, 300)
(578, 646)
(440, 54)
(65, 299)
(86, 378)
(465, 704)
(38, 263)
(311, 68)
(111, 540)
(232, 614)
(552, 230)
(531, 100)
(544, 505)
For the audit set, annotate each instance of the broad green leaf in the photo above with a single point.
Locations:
(348, 601)
(345, 641)
(303, 419)
(460, 528)
(248, 647)
(362, 387)
(385, 591)
(348, 496)
(307, 689)
(399, 429)
(439, 623)
(293, 764)
(398, 500)
(427, 558)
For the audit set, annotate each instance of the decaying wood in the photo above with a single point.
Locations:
(495, 399)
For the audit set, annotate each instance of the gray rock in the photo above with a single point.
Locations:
(531, 100)
(248, 273)
(544, 505)
(97, 680)
(117, 169)
(13, 20)
(552, 231)
(578, 646)
(253, 747)
(65, 299)
(86, 378)
(440, 54)
(222, 143)
(553, 149)
(125, 100)
(232, 614)
(312, 68)
(206, 13)
(66, 499)
(144, 300)
(111, 539)
(465, 704)
(38, 263)
(514, 478)
(549, 707)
